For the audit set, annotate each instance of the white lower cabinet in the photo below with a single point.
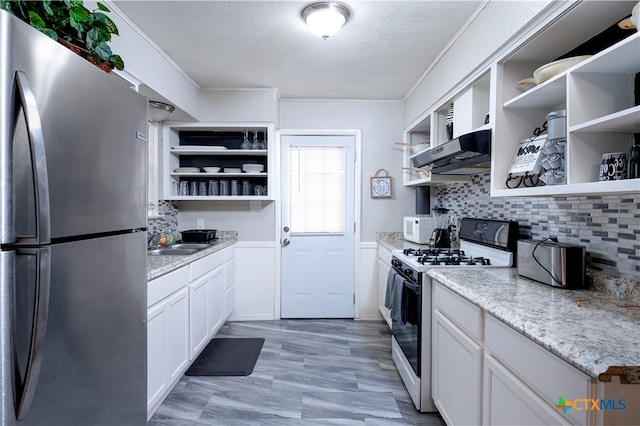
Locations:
(229, 292)
(384, 266)
(508, 401)
(485, 372)
(456, 373)
(186, 308)
(216, 302)
(199, 302)
(167, 344)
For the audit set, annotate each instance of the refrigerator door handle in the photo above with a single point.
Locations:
(38, 158)
(24, 399)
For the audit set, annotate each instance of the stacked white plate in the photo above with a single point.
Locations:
(232, 170)
(187, 170)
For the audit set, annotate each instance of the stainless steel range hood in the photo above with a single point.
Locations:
(467, 154)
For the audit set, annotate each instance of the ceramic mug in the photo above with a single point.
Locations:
(613, 166)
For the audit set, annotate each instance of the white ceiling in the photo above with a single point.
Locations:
(380, 54)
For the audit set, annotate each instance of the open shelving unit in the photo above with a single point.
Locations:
(215, 145)
(597, 94)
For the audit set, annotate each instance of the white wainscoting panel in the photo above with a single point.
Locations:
(367, 283)
(255, 281)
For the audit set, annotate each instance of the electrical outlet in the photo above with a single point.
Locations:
(199, 223)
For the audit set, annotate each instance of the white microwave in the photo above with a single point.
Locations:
(418, 229)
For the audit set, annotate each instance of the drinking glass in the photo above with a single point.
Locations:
(224, 187)
(194, 188)
(255, 144)
(246, 187)
(174, 188)
(202, 188)
(234, 187)
(213, 187)
(184, 188)
(245, 142)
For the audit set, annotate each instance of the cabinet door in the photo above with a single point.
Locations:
(383, 273)
(216, 285)
(156, 355)
(177, 334)
(198, 315)
(508, 401)
(229, 301)
(456, 373)
(229, 273)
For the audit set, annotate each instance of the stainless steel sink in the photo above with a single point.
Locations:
(171, 252)
(189, 246)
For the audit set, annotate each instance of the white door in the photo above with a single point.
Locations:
(318, 226)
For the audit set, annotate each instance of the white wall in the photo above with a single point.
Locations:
(381, 126)
(240, 105)
(252, 225)
(492, 28)
(147, 64)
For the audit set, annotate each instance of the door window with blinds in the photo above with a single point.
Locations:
(317, 182)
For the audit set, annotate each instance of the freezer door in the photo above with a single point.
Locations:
(91, 352)
(72, 136)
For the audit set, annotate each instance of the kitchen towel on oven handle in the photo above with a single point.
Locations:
(393, 295)
(410, 310)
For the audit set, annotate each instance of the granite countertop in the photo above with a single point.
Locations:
(598, 338)
(160, 265)
(394, 241)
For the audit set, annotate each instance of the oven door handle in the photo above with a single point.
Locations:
(417, 289)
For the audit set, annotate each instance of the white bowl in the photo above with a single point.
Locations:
(252, 168)
(211, 169)
(232, 170)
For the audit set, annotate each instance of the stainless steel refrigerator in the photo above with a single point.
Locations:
(72, 237)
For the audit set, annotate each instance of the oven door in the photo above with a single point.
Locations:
(407, 328)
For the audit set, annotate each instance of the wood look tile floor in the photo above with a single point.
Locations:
(310, 372)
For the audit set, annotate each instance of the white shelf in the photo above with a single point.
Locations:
(219, 175)
(219, 198)
(609, 187)
(438, 180)
(546, 95)
(219, 152)
(627, 121)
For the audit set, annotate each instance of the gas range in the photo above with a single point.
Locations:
(483, 243)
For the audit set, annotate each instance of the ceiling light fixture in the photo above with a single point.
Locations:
(326, 18)
(159, 111)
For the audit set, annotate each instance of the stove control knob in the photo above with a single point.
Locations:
(396, 263)
(408, 272)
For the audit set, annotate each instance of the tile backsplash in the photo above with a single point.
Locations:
(168, 217)
(607, 225)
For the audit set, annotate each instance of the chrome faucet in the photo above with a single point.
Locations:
(152, 241)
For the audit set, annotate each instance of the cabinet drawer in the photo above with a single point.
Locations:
(548, 375)
(463, 313)
(166, 285)
(206, 264)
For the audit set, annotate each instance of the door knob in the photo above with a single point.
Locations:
(285, 242)
(286, 229)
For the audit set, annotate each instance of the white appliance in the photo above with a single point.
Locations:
(418, 229)
(73, 303)
(483, 243)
